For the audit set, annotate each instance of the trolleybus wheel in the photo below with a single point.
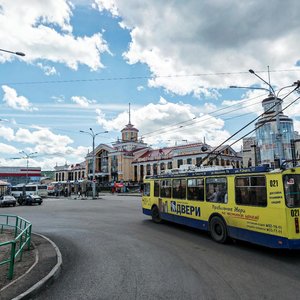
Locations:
(218, 230)
(155, 214)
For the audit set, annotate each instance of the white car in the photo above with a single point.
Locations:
(8, 200)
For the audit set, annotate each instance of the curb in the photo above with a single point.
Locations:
(54, 273)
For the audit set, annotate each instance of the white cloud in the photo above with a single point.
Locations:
(82, 101)
(109, 5)
(208, 37)
(297, 125)
(251, 103)
(14, 101)
(50, 147)
(42, 137)
(58, 99)
(6, 133)
(47, 69)
(140, 88)
(165, 121)
(4, 148)
(44, 31)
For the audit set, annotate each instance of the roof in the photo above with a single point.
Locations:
(167, 152)
(4, 182)
(203, 172)
(130, 127)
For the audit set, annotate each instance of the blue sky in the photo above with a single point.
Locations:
(172, 60)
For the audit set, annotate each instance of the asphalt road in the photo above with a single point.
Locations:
(112, 251)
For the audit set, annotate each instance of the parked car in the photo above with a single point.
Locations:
(8, 200)
(30, 199)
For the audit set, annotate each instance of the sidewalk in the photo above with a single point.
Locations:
(99, 197)
(44, 271)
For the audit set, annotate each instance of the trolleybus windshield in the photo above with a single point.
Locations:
(292, 190)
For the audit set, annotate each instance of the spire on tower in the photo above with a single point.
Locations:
(129, 114)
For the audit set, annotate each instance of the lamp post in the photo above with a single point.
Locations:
(278, 134)
(12, 52)
(27, 156)
(93, 135)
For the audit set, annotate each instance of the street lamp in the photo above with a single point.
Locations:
(93, 135)
(27, 156)
(248, 87)
(278, 131)
(12, 52)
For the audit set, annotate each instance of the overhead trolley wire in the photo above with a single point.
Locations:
(170, 127)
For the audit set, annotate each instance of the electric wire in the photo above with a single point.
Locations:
(169, 127)
(142, 77)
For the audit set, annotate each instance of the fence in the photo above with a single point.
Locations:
(22, 237)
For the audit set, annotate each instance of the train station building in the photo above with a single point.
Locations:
(129, 159)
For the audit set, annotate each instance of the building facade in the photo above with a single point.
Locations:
(70, 172)
(267, 139)
(129, 159)
(20, 175)
(250, 153)
(114, 163)
(158, 161)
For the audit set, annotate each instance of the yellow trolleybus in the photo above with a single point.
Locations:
(254, 204)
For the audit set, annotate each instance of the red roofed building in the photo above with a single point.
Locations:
(156, 161)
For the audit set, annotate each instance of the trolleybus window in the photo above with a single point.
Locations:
(165, 188)
(216, 189)
(146, 189)
(179, 188)
(156, 188)
(195, 189)
(251, 190)
(292, 190)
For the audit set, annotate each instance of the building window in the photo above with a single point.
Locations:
(154, 169)
(198, 161)
(162, 166)
(170, 165)
(189, 161)
(179, 163)
(148, 169)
